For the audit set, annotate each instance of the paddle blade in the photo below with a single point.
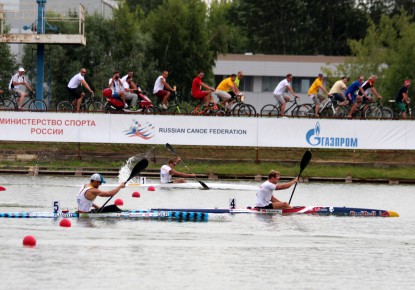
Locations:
(306, 159)
(170, 148)
(203, 184)
(2, 188)
(140, 166)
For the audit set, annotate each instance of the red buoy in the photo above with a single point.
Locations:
(29, 241)
(65, 223)
(119, 202)
(151, 188)
(136, 194)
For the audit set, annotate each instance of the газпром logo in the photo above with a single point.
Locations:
(314, 139)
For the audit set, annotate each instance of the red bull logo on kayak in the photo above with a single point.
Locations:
(144, 131)
(314, 139)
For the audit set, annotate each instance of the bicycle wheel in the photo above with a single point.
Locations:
(7, 105)
(149, 110)
(270, 111)
(176, 109)
(373, 113)
(387, 113)
(37, 105)
(93, 106)
(327, 112)
(246, 110)
(304, 110)
(64, 106)
(234, 110)
(343, 111)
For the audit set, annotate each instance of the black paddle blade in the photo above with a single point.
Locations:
(140, 166)
(170, 148)
(306, 159)
(203, 184)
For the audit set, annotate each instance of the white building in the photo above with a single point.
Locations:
(263, 72)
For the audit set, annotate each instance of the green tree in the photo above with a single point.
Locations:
(225, 35)
(387, 51)
(301, 26)
(181, 41)
(7, 65)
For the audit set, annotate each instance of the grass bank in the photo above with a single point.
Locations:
(223, 161)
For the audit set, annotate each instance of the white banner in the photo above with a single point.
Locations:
(201, 130)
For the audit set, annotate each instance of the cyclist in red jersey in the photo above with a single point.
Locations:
(198, 93)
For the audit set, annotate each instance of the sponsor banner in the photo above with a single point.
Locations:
(339, 134)
(128, 128)
(202, 130)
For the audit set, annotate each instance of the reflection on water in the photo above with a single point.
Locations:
(251, 251)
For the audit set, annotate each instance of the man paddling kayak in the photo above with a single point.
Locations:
(167, 171)
(88, 192)
(264, 197)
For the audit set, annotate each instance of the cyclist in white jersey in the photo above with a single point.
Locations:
(167, 171)
(88, 192)
(264, 197)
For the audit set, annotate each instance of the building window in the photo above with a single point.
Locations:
(269, 83)
(246, 84)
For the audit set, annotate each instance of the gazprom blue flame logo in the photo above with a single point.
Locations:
(314, 139)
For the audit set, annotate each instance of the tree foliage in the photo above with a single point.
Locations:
(387, 51)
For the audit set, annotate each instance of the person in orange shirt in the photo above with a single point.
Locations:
(314, 95)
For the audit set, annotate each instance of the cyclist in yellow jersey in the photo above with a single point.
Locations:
(239, 77)
(314, 95)
(223, 88)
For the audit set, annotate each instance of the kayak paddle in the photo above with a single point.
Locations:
(171, 149)
(304, 162)
(140, 166)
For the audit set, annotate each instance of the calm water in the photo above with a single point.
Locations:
(249, 252)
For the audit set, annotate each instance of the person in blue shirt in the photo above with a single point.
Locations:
(354, 88)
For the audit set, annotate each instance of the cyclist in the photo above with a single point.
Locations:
(280, 90)
(362, 95)
(337, 91)
(116, 85)
(223, 88)
(402, 99)
(161, 89)
(15, 86)
(314, 95)
(238, 79)
(200, 94)
(74, 90)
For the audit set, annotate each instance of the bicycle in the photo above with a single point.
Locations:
(271, 110)
(237, 107)
(378, 111)
(6, 103)
(211, 110)
(172, 109)
(32, 104)
(328, 109)
(88, 104)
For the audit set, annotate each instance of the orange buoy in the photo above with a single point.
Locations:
(151, 188)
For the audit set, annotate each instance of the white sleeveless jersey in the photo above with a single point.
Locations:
(165, 176)
(84, 204)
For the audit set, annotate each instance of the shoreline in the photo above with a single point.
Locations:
(152, 173)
